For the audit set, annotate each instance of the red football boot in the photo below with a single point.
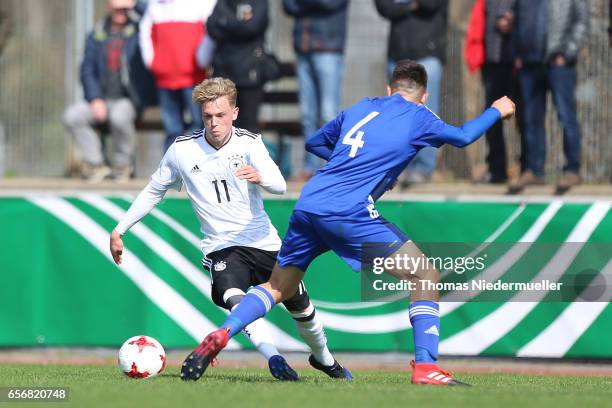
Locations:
(430, 373)
(197, 362)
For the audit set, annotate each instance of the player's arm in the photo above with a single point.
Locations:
(323, 141)
(166, 177)
(262, 170)
(502, 108)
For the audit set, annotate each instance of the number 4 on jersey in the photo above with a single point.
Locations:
(357, 142)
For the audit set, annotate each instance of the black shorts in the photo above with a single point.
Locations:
(242, 267)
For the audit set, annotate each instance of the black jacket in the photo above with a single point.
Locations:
(238, 28)
(320, 25)
(418, 33)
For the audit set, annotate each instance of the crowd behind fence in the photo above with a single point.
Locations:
(39, 78)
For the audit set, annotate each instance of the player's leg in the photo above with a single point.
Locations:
(231, 272)
(311, 330)
(301, 246)
(260, 264)
(362, 237)
(424, 312)
(259, 334)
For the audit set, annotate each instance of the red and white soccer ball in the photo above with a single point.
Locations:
(142, 357)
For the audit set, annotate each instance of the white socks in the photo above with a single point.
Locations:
(313, 334)
(259, 334)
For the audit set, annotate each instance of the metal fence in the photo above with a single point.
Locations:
(39, 77)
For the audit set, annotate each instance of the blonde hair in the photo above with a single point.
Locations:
(212, 89)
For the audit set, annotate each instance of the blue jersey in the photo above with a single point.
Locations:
(369, 144)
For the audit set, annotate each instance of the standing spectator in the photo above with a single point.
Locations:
(238, 28)
(170, 33)
(319, 36)
(418, 32)
(114, 84)
(498, 73)
(550, 34)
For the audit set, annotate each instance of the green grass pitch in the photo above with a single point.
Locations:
(97, 386)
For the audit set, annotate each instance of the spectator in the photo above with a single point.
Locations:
(498, 74)
(549, 37)
(418, 32)
(238, 29)
(114, 84)
(170, 32)
(319, 36)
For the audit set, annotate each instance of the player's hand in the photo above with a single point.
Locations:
(99, 109)
(505, 106)
(116, 247)
(248, 173)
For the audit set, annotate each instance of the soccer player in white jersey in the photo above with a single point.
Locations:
(222, 169)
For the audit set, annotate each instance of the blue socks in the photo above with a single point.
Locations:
(425, 320)
(254, 305)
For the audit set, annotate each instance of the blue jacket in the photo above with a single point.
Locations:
(320, 25)
(136, 79)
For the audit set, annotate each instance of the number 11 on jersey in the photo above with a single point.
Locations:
(357, 142)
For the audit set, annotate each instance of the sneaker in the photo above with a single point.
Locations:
(528, 178)
(280, 369)
(431, 374)
(95, 174)
(568, 180)
(334, 371)
(197, 362)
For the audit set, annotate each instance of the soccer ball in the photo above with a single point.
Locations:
(141, 357)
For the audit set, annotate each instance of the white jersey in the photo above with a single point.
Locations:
(230, 210)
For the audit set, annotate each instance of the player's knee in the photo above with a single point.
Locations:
(231, 298)
(73, 117)
(303, 314)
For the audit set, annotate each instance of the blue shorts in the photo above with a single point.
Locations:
(356, 238)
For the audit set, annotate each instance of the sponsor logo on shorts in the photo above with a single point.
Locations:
(220, 266)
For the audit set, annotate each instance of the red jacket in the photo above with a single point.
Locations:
(474, 51)
(170, 32)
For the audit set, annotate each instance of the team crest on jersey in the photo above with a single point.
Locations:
(220, 266)
(236, 161)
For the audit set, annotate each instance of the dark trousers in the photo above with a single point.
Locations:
(248, 101)
(535, 80)
(500, 80)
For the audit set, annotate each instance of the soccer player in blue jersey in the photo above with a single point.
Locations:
(366, 147)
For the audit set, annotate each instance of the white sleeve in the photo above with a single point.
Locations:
(148, 198)
(145, 40)
(271, 178)
(167, 176)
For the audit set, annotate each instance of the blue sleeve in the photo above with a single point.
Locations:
(323, 141)
(436, 132)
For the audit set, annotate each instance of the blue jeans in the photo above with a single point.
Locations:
(320, 81)
(173, 103)
(426, 159)
(535, 80)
